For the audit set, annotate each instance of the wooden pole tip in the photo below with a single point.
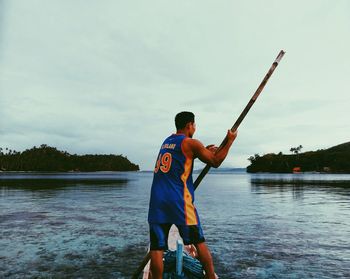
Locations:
(279, 57)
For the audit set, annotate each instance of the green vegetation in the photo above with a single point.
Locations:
(332, 160)
(46, 158)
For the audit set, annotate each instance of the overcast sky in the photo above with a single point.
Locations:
(109, 76)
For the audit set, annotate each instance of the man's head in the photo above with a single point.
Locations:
(184, 122)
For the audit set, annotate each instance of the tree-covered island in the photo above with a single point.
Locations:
(332, 160)
(47, 158)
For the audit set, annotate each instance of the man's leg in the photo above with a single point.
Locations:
(193, 234)
(159, 242)
(157, 264)
(206, 260)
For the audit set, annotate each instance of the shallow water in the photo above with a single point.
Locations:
(95, 225)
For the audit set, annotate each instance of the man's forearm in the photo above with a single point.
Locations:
(222, 153)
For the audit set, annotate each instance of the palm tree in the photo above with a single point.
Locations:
(296, 150)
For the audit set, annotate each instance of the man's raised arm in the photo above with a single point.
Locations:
(196, 149)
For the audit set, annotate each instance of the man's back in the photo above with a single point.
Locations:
(172, 193)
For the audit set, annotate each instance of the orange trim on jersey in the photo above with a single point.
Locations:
(156, 168)
(190, 210)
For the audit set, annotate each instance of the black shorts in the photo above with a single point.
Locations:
(159, 233)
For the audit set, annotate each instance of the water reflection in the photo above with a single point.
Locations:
(298, 185)
(263, 188)
(49, 183)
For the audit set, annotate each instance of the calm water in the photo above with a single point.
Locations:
(95, 225)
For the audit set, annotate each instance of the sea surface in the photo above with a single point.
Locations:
(94, 225)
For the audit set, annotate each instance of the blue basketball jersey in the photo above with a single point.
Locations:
(172, 193)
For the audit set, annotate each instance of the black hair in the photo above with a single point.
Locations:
(182, 118)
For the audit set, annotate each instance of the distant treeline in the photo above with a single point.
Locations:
(46, 158)
(333, 160)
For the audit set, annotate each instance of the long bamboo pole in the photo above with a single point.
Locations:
(244, 113)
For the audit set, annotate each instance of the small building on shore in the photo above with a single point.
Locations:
(297, 170)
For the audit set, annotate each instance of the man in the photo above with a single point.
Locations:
(172, 193)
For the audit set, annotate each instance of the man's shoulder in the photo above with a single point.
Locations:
(192, 143)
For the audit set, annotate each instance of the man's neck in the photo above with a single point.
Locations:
(184, 132)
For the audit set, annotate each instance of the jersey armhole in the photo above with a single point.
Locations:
(182, 149)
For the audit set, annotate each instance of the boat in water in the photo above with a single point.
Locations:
(180, 261)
